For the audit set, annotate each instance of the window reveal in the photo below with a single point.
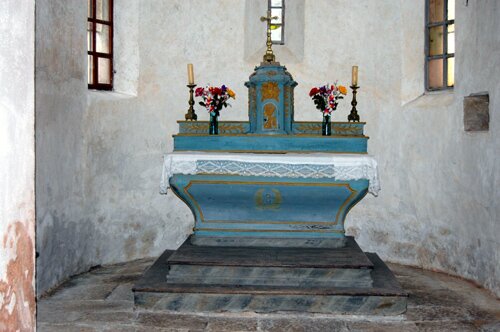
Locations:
(440, 44)
(277, 8)
(100, 44)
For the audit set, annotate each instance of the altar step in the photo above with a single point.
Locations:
(349, 256)
(268, 276)
(270, 279)
(270, 266)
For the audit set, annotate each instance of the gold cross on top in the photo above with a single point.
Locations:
(269, 56)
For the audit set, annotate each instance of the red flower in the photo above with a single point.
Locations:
(215, 91)
(313, 92)
(198, 92)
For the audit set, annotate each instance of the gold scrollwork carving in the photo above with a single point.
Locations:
(270, 90)
(348, 130)
(309, 127)
(252, 100)
(197, 127)
(288, 89)
(227, 128)
(224, 128)
(315, 127)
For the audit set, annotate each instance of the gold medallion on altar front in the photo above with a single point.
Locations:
(268, 200)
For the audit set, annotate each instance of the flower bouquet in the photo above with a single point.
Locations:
(214, 99)
(326, 99)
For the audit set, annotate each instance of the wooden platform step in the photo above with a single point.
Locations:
(268, 276)
(350, 256)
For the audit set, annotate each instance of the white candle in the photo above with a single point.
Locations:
(190, 73)
(354, 75)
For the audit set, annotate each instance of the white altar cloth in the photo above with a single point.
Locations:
(342, 167)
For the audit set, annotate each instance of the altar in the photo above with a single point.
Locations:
(269, 197)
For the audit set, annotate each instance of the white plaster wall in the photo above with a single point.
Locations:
(17, 162)
(65, 231)
(126, 46)
(437, 207)
(439, 204)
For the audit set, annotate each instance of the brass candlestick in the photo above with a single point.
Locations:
(353, 116)
(191, 115)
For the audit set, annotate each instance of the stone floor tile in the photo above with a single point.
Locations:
(438, 313)
(82, 317)
(302, 325)
(107, 317)
(137, 266)
(58, 316)
(134, 328)
(446, 327)
(42, 327)
(46, 307)
(368, 326)
(219, 324)
(401, 270)
(101, 300)
(122, 293)
(119, 327)
(178, 321)
(85, 292)
(491, 327)
(442, 297)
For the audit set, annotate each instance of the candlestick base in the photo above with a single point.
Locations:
(353, 116)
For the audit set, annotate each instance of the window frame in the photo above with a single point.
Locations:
(95, 56)
(270, 7)
(445, 55)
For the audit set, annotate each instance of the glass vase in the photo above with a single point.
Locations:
(213, 128)
(326, 128)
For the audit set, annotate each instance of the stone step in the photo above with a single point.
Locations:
(349, 256)
(384, 297)
(268, 276)
(333, 304)
(231, 241)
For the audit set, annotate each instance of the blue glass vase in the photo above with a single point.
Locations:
(213, 128)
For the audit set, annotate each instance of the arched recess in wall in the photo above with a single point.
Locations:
(255, 32)
(126, 46)
(413, 51)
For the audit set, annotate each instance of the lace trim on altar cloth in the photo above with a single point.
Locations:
(343, 171)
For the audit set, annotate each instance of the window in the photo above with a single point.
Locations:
(100, 44)
(440, 44)
(277, 8)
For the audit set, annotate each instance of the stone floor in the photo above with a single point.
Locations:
(101, 300)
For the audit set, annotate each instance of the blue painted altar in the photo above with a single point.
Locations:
(297, 197)
(269, 198)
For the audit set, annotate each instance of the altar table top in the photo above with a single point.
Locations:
(342, 167)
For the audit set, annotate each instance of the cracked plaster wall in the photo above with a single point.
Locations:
(437, 208)
(17, 162)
